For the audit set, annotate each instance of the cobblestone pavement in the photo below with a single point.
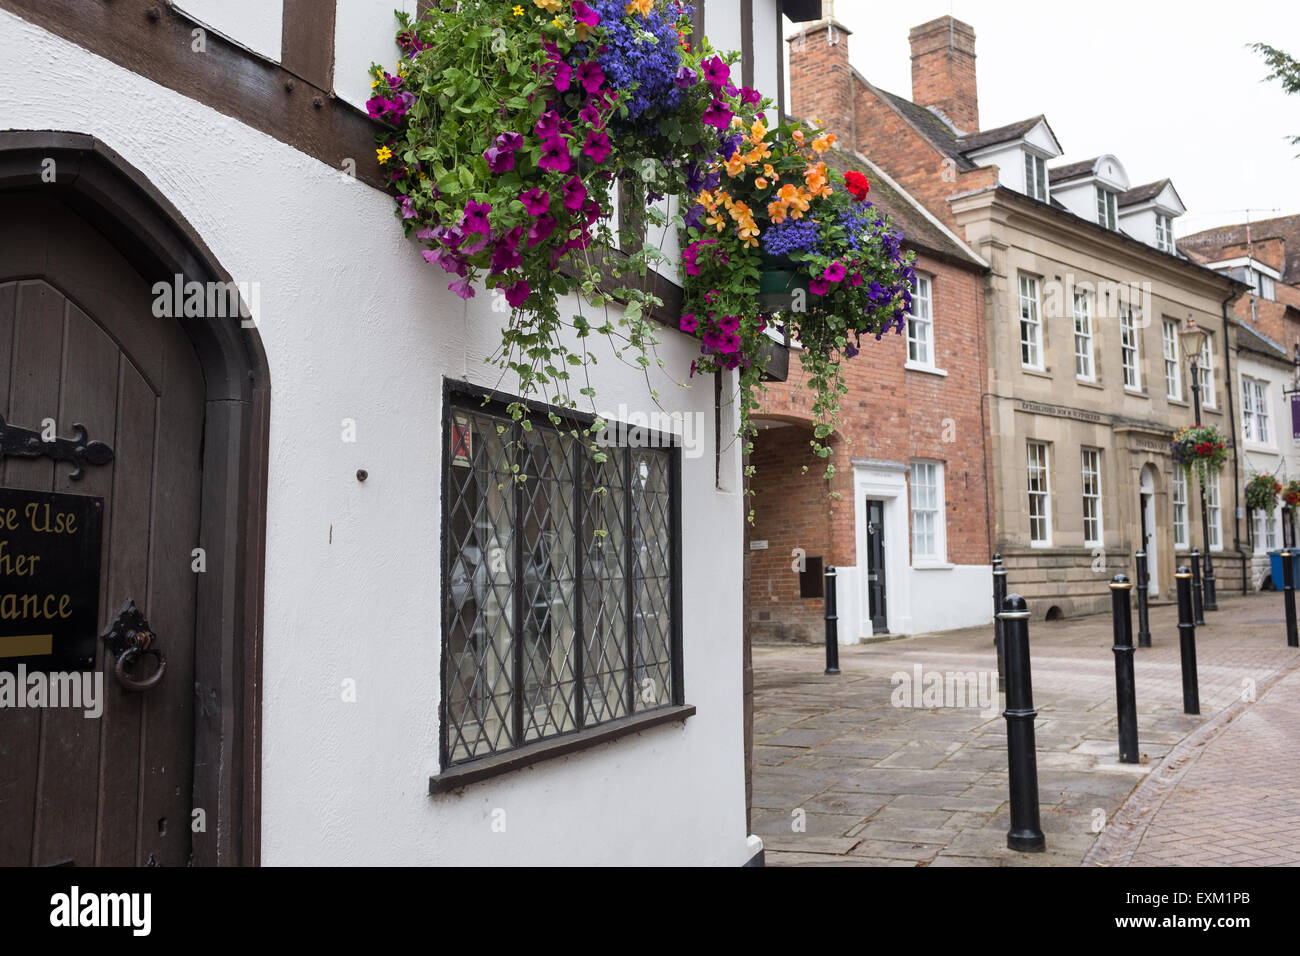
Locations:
(843, 777)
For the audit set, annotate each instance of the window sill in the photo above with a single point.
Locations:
(927, 369)
(932, 566)
(1090, 383)
(1136, 392)
(1262, 449)
(1037, 372)
(463, 775)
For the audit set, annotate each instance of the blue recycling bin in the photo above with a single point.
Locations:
(1275, 563)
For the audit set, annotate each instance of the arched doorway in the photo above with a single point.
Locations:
(165, 775)
(1149, 536)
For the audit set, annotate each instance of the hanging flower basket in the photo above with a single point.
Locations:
(776, 238)
(1200, 449)
(512, 126)
(1291, 493)
(1262, 492)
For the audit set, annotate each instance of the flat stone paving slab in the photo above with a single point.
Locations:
(842, 776)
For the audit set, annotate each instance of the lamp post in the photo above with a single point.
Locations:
(1193, 344)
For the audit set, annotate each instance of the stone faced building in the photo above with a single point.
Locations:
(1084, 384)
(908, 532)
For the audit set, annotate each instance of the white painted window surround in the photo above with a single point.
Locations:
(929, 536)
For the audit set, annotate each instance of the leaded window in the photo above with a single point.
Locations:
(560, 580)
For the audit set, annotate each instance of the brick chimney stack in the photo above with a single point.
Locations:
(821, 81)
(943, 71)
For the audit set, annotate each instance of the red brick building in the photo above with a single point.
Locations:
(1082, 382)
(905, 518)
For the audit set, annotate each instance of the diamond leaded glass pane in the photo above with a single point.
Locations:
(558, 605)
(652, 547)
(479, 602)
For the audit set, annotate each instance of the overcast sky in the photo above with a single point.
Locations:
(1168, 87)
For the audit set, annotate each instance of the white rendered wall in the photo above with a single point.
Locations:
(255, 24)
(356, 325)
(364, 32)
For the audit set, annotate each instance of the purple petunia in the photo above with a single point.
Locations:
(548, 125)
(505, 254)
(819, 286)
(717, 73)
(536, 201)
(475, 217)
(597, 146)
(511, 141)
(499, 160)
(591, 76)
(575, 194)
(517, 293)
(834, 272)
(555, 154)
(718, 115)
(563, 73)
(685, 78)
(408, 207)
(749, 96)
(462, 288)
(689, 323)
(540, 230)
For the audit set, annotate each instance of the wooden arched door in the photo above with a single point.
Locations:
(80, 345)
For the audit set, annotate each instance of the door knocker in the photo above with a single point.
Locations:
(130, 639)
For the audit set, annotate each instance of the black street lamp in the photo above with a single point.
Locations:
(1193, 343)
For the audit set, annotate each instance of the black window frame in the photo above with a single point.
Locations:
(461, 396)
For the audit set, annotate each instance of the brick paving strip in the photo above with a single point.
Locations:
(842, 777)
(1227, 795)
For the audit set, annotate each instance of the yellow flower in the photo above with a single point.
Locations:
(550, 6)
(517, 10)
(383, 154)
(374, 83)
(559, 23)
(642, 7)
(757, 131)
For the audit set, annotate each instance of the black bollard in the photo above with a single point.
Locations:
(832, 626)
(1025, 834)
(999, 595)
(1198, 609)
(1288, 597)
(1187, 641)
(1125, 696)
(1143, 590)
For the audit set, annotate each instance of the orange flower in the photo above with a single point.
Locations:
(823, 142)
(818, 184)
(736, 165)
(757, 132)
(798, 137)
(642, 7)
(760, 182)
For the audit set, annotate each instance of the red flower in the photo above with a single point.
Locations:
(857, 184)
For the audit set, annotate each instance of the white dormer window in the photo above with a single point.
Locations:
(1035, 177)
(1164, 233)
(1107, 208)
(1263, 285)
